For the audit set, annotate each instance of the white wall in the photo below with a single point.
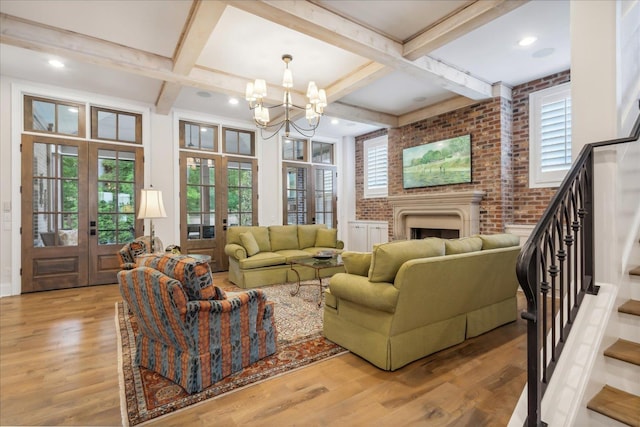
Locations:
(160, 136)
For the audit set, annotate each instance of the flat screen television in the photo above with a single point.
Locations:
(443, 162)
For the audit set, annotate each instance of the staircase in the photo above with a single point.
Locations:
(613, 402)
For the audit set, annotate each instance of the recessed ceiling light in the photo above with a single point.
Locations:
(527, 41)
(419, 99)
(72, 109)
(233, 101)
(547, 51)
(56, 64)
(335, 121)
(203, 130)
(203, 94)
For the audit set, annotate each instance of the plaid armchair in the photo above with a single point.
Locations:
(194, 342)
(139, 246)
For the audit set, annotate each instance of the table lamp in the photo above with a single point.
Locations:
(151, 207)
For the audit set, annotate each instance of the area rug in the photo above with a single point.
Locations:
(145, 395)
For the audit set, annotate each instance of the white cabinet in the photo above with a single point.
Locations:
(364, 234)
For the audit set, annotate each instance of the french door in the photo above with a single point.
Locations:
(309, 194)
(78, 209)
(216, 192)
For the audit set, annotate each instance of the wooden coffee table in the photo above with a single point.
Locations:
(318, 265)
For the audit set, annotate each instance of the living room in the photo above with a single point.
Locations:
(498, 129)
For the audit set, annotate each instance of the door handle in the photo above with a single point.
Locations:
(92, 232)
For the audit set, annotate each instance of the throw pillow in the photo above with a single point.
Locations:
(462, 246)
(356, 262)
(326, 237)
(249, 243)
(496, 241)
(307, 234)
(68, 237)
(387, 258)
(137, 248)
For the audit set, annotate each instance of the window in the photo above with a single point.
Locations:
(549, 136)
(237, 141)
(116, 125)
(322, 152)
(375, 167)
(198, 136)
(294, 149)
(52, 116)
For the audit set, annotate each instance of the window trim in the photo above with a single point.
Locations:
(370, 144)
(538, 178)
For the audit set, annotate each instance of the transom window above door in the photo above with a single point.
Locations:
(198, 136)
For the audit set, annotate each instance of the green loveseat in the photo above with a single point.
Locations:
(408, 299)
(260, 256)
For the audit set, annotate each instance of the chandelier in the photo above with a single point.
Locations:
(257, 91)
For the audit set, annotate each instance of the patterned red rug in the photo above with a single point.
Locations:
(145, 395)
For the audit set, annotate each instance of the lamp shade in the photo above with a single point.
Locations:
(151, 205)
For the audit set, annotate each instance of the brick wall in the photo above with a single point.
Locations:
(528, 203)
(499, 130)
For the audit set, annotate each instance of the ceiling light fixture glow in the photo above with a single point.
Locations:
(233, 101)
(527, 41)
(335, 121)
(56, 64)
(257, 92)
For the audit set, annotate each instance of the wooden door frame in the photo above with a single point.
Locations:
(103, 260)
(57, 266)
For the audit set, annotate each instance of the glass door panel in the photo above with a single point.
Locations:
(240, 200)
(296, 207)
(325, 196)
(115, 178)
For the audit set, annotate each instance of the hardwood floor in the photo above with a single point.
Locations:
(58, 366)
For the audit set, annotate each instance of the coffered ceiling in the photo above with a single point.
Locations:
(382, 63)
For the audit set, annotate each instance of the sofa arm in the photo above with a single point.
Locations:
(339, 244)
(358, 289)
(236, 251)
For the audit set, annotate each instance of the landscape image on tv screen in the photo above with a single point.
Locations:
(437, 163)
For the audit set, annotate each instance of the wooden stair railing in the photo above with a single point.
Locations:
(556, 269)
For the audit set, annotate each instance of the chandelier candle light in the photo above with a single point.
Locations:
(151, 207)
(257, 91)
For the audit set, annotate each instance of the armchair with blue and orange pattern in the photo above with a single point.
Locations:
(188, 330)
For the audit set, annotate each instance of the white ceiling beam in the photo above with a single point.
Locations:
(324, 25)
(435, 110)
(361, 115)
(202, 20)
(30, 35)
(460, 23)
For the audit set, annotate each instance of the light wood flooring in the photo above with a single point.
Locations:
(58, 366)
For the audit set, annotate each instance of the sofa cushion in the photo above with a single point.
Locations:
(194, 275)
(357, 262)
(291, 254)
(496, 241)
(462, 246)
(307, 234)
(326, 237)
(262, 259)
(283, 237)
(387, 258)
(249, 242)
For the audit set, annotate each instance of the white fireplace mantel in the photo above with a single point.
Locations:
(453, 210)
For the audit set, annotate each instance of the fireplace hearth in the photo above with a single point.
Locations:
(451, 215)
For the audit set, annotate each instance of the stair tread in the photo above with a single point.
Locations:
(617, 404)
(627, 351)
(635, 271)
(632, 306)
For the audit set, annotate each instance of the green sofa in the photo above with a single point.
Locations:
(408, 299)
(260, 256)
